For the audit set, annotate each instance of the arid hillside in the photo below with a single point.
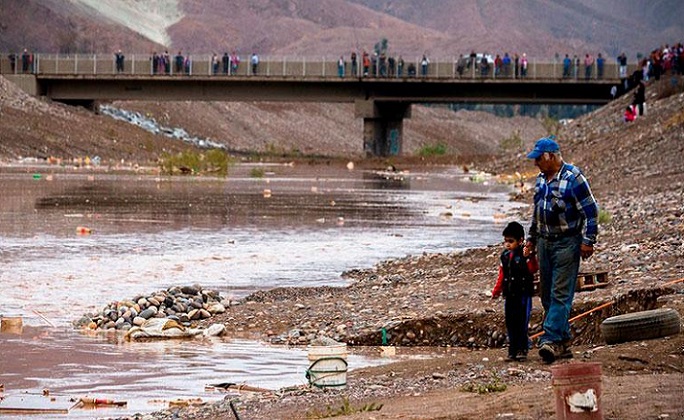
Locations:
(331, 27)
(38, 128)
(33, 128)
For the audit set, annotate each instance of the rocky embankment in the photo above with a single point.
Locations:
(186, 305)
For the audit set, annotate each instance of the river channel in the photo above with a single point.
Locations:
(262, 226)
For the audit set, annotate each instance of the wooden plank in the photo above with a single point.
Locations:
(36, 404)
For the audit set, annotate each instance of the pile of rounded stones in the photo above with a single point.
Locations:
(182, 304)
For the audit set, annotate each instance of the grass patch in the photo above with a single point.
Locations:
(486, 388)
(430, 150)
(551, 125)
(214, 162)
(257, 173)
(345, 409)
(512, 143)
(495, 385)
(604, 217)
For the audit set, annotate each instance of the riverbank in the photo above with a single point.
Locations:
(441, 300)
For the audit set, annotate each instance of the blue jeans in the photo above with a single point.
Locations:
(558, 266)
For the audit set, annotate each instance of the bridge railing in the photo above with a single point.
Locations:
(295, 67)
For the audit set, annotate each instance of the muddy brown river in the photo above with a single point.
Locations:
(71, 242)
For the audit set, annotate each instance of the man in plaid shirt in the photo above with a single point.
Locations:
(563, 230)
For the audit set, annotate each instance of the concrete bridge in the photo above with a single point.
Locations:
(382, 100)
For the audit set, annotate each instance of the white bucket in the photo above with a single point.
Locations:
(329, 366)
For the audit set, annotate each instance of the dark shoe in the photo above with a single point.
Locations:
(511, 358)
(548, 352)
(565, 351)
(521, 356)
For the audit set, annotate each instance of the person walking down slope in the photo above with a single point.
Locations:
(640, 97)
(564, 229)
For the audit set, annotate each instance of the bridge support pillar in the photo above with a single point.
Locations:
(382, 126)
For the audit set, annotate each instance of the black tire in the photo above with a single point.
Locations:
(641, 325)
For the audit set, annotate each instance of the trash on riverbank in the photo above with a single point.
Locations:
(36, 404)
(101, 402)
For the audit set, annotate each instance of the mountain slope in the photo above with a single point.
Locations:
(541, 28)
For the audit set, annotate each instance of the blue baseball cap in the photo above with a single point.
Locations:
(544, 145)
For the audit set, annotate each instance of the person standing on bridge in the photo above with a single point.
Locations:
(225, 62)
(523, 66)
(354, 64)
(234, 63)
(13, 62)
(564, 228)
(600, 62)
(622, 69)
(424, 63)
(567, 62)
(340, 66)
(25, 61)
(588, 65)
(215, 63)
(255, 63)
(179, 63)
(119, 61)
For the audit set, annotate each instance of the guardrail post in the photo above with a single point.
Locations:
(284, 64)
(57, 64)
(304, 66)
(75, 63)
(94, 63)
(268, 68)
(132, 63)
(323, 71)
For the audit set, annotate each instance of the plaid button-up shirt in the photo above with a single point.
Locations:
(564, 206)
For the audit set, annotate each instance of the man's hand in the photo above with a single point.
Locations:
(586, 251)
(528, 249)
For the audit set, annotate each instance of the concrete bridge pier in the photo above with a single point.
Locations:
(382, 126)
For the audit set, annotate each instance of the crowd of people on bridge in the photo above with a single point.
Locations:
(382, 64)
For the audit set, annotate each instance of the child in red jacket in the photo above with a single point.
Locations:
(516, 283)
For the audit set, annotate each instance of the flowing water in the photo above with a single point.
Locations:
(297, 225)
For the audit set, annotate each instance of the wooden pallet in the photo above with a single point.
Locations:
(591, 280)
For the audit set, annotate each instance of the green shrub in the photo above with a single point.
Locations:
(604, 217)
(345, 409)
(486, 388)
(214, 161)
(428, 150)
(551, 125)
(256, 173)
(514, 142)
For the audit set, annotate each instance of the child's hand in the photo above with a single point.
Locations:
(526, 251)
(495, 295)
